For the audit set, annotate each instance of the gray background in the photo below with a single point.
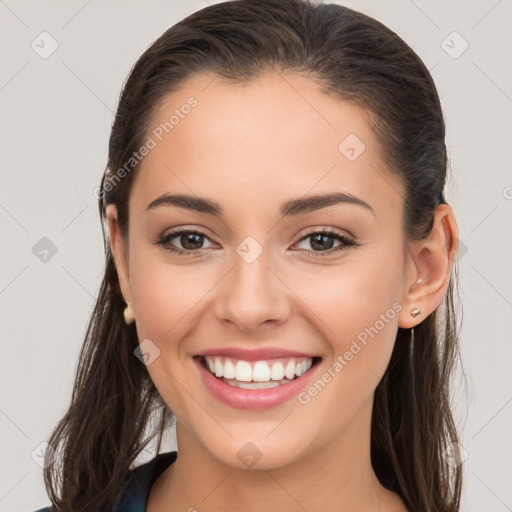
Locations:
(56, 115)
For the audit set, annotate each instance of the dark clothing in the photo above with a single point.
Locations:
(135, 494)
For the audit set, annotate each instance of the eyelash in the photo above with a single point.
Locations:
(347, 243)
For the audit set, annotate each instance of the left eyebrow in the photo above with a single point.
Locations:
(313, 203)
(292, 207)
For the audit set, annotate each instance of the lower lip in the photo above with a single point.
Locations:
(252, 398)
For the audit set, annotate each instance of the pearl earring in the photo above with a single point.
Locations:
(415, 312)
(128, 315)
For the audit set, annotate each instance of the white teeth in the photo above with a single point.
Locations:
(229, 370)
(277, 371)
(243, 371)
(218, 368)
(258, 371)
(254, 385)
(261, 372)
(289, 371)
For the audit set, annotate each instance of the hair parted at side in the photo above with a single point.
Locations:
(360, 60)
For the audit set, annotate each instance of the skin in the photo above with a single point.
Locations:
(251, 148)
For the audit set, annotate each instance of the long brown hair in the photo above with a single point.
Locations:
(360, 60)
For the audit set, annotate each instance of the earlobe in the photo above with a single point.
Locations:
(128, 315)
(118, 253)
(431, 261)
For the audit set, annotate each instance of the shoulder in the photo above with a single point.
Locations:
(134, 496)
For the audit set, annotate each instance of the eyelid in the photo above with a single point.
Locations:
(326, 229)
(347, 241)
(200, 230)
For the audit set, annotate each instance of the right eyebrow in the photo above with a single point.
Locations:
(292, 207)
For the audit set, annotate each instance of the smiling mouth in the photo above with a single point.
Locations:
(257, 374)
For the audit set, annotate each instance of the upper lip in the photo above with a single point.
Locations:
(254, 354)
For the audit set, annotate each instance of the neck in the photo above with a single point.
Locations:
(336, 477)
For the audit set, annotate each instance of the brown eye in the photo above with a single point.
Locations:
(323, 242)
(183, 241)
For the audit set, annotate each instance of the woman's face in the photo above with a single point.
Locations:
(260, 273)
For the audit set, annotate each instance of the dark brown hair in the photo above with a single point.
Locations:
(360, 60)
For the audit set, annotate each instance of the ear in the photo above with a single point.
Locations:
(429, 263)
(119, 252)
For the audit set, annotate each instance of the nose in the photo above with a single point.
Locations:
(251, 297)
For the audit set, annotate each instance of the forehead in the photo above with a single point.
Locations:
(273, 136)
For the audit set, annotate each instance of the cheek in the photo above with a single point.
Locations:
(165, 296)
(357, 304)
(357, 313)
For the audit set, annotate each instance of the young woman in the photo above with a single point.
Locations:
(279, 279)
